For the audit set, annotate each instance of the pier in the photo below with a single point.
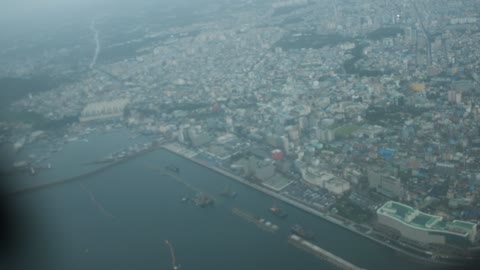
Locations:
(309, 247)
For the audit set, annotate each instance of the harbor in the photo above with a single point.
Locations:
(142, 192)
(428, 260)
(200, 196)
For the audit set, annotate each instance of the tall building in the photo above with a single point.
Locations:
(293, 133)
(229, 123)
(330, 135)
(285, 144)
(384, 183)
(181, 137)
(454, 96)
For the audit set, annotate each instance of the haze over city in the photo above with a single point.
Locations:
(221, 134)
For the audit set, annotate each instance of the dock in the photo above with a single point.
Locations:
(309, 247)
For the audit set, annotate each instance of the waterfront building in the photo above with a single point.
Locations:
(328, 181)
(198, 136)
(218, 152)
(426, 228)
(261, 169)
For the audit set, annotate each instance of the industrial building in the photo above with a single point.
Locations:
(103, 110)
(425, 228)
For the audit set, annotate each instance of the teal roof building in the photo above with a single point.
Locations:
(425, 228)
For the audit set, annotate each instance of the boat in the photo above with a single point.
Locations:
(228, 193)
(173, 169)
(260, 222)
(203, 201)
(278, 211)
(300, 231)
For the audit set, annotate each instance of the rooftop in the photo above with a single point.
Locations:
(414, 218)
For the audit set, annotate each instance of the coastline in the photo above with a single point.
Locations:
(286, 199)
(310, 210)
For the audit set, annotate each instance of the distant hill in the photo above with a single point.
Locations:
(13, 89)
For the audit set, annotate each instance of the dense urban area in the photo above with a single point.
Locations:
(366, 111)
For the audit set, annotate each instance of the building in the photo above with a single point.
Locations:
(385, 183)
(454, 96)
(199, 139)
(277, 154)
(426, 228)
(328, 181)
(391, 187)
(285, 144)
(444, 168)
(261, 169)
(197, 135)
(325, 135)
(103, 110)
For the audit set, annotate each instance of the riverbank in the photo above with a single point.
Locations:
(309, 209)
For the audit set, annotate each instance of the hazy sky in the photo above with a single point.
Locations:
(45, 8)
(41, 8)
(25, 15)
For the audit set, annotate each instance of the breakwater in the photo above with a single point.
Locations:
(309, 247)
(79, 177)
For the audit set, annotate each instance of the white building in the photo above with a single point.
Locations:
(103, 110)
(325, 180)
(426, 228)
